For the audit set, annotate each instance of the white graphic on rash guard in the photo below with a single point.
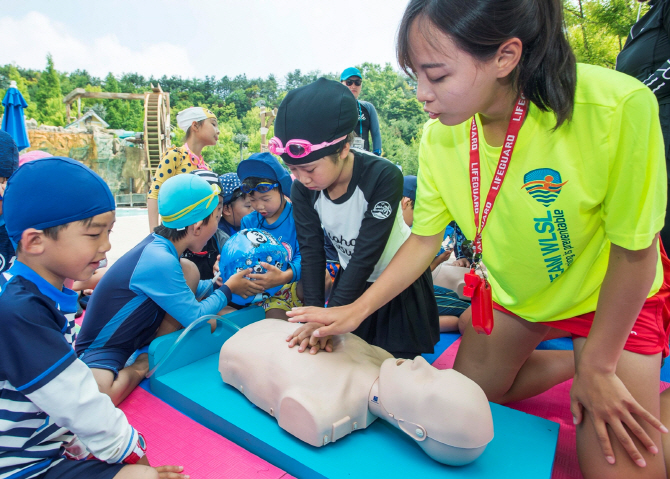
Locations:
(382, 210)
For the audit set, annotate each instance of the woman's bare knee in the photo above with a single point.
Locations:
(494, 361)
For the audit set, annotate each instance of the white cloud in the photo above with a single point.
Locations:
(26, 42)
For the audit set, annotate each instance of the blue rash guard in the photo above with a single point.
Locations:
(129, 303)
(227, 228)
(283, 229)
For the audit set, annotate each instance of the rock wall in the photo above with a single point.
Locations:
(78, 145)
(116, 161)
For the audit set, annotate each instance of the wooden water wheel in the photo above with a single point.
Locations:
(156, 126)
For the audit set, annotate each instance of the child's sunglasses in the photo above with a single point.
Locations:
(298, 148)
(260, 187)
(354, 82)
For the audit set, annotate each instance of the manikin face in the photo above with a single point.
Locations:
(452, 84)
(435, 404)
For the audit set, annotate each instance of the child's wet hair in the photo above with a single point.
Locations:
(546, 73)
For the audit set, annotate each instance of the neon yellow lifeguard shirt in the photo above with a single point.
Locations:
(568, 194)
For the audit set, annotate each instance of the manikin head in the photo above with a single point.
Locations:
(445, 412)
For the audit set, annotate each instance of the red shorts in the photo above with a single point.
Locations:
(650, 331)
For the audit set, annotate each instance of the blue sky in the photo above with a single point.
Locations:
(198, 38)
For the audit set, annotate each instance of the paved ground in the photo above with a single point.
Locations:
(127, 232)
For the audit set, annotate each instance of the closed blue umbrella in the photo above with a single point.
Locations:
(13, 122)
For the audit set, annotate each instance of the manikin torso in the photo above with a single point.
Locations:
(324, 397)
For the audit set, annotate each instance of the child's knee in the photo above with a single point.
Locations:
(104, 378)
(191, 273)
(137, 472)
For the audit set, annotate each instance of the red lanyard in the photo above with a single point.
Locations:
(515, 123)
(475, 287)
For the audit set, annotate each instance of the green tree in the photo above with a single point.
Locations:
(597, 29)
(50, 109)
(22, 85)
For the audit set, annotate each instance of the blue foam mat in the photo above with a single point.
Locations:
(446, 340)
(523, 446)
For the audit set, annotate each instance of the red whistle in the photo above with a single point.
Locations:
(482, 302)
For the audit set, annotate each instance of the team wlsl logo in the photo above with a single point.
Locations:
(544, 185)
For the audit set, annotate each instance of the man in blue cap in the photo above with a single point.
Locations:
(151, 291)
(9, 162)
(368, 123)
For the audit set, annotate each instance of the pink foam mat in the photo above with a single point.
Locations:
(554, 405)
(175, 439)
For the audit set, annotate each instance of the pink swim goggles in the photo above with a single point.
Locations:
(298, 148)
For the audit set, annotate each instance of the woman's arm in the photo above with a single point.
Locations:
(411, 260)
(630, 275)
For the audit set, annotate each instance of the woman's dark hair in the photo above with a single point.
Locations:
(546, 73)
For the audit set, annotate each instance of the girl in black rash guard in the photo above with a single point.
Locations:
(355, 196)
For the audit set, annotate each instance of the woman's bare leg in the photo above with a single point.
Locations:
(506, 364)
(640, 374)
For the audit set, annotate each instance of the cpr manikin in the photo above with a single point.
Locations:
(322, 398)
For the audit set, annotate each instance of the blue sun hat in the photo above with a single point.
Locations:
(247, 249)
(229, 183)
(53, 192)
(186, 199)
(264, 165)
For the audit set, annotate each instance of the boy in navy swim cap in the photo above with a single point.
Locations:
(51, 403)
